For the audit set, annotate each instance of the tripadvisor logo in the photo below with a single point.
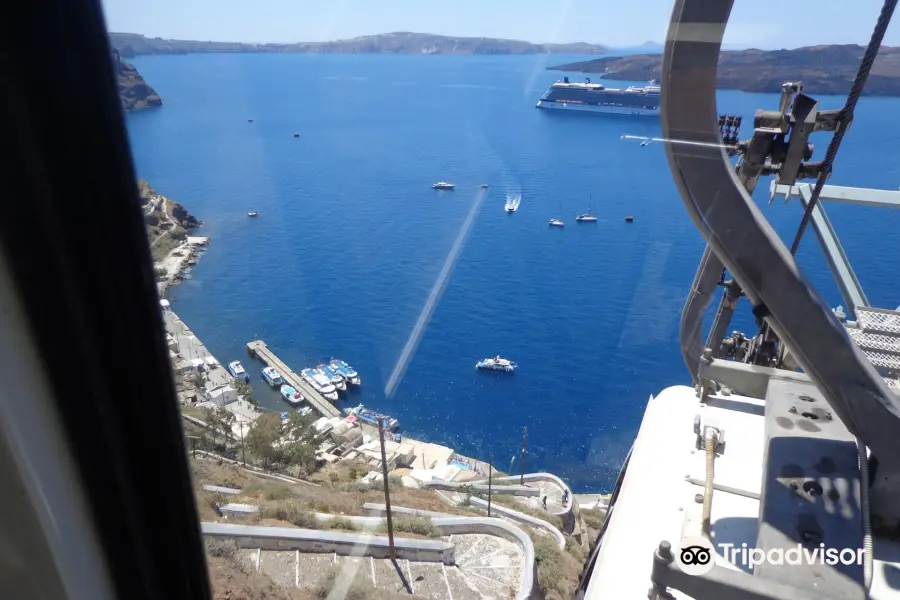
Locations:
(697, 555)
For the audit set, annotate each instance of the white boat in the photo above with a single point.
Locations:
(442, 185)
(496, 364)
(237, 370)
(319, 382)
(587, 217)
(332, 374)
(556, 223)
(512, 202)
(346, 371)
(252, 214)
(291, 395)
(272, 376)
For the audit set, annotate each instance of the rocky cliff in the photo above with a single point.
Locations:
(403, 42)
(133, 90)
(822, 69)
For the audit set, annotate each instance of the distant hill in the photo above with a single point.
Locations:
(132, 44)
(133, 90)
(822, 69)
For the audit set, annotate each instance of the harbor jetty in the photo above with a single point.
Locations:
(258, 349)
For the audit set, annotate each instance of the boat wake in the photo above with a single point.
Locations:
(512, 202)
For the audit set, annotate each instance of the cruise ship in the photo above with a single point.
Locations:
(595, 97)
(319, 382)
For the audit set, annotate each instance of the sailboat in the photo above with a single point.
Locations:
(557, 222)
(587, 217)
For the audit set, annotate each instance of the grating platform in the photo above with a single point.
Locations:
(878, 336)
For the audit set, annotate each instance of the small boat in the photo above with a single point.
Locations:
(291, 395)
(346, 371)
(319, 382)
(253, 214)
(237, 371)
(629, 219)
(442, 185)
(373, 418)
(249, 120)
(332, 374)
(496, 364)
(272, 376)
(512, 202)
(296, 134)
(483, 185)
(587, 217)
(556, 223)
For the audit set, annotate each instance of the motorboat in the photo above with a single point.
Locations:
(320, 383)
(291, 395)
(272, 376)
(253, 214)
(347, 372)
(556, 223)
(334, 376)
(442, 185)
(496, 364)
(237, 371)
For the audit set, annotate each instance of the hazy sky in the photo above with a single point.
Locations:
(616, 23)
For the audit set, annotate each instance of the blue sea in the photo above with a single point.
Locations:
(355, 256)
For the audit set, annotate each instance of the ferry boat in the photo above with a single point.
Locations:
(496, 364)
(442, 185)
(336, 379)
(556, 223)
(373, 418)
(237, 371)
(272, 376)
(346, 371)
(319, 382)
(291, 395)
(595, 97)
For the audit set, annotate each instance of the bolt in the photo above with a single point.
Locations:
(665, 551)
(828, 416)
(794, 485)
(792, 410)
(698, 498)
(707, 355)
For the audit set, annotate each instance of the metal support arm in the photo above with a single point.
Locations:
(745, 242)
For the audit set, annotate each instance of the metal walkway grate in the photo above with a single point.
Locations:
(878, 336)
(879, 321)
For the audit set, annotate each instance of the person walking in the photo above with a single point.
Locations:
(544, 502)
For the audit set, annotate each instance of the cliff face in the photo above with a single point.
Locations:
(822, 69)
(133, 90)
(131, 44)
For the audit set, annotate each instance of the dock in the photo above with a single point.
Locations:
(258, 349)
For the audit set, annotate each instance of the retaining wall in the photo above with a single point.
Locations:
(345, 544)
(567, 513)
(523, 518)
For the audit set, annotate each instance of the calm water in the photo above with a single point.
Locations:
(351, 239)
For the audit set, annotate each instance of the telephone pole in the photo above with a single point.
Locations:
(490, 476)
(243, 456)
(524, 444)
(387, 493)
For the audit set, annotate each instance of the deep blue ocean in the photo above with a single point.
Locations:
(351, 239)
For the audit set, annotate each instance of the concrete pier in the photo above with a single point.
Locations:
(258, 349)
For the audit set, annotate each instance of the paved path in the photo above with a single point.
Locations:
(487, 567)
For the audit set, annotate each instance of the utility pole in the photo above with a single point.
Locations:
(490, 476)
(243, 456)
(524, 444)
(387, 493)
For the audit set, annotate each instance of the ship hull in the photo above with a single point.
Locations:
(610, 110)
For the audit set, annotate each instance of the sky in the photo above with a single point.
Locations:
(753, 23)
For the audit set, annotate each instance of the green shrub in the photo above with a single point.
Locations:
(292, 513)
(417, 525)
(340, 523)
(278, 492)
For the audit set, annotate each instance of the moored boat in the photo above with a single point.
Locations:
(442, 185)
(373, 418)
(319, 382)
(337, 380)
(346, 371)
(237, 371)
(272, 376)
(291, 395)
